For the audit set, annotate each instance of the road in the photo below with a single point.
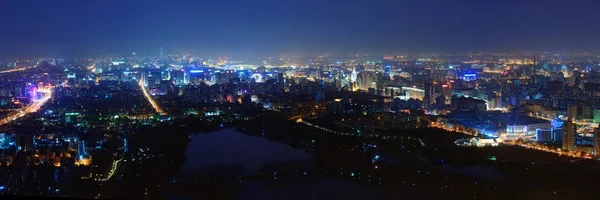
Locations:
(149, 97)
(527, 144)
(581, 123)
(14, 70)
(33, 107)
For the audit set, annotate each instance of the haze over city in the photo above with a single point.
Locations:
(75, 28)
(299, 99)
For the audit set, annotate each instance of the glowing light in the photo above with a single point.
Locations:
(112, 171)
(13, 70)
(34, 107)
(147, 95)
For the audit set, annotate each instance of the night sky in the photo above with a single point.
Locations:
(274, 27)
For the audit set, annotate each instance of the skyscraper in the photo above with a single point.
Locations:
(572, 113)
(569, 136)
(570, 128)
(161, 56)
(427, 99)
(161, 53)
(597, 142)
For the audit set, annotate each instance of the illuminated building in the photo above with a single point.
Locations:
(543, 135)
(596, 115)
(391, 91)
(25, 142)
(428, 97)
(596, 152)
(479, 142)
(469, 76)
(6, 140)
(40, 86)
(556, 126)
(568, 142)
(516, 129)
(414, 93)
(572, 113)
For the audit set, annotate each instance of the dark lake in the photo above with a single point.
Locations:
(228, 147)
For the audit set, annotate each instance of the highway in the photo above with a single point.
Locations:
(149, 97)
(14, 70)
(578, 122)
(33, 107)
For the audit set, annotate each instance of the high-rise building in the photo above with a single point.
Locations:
(162, 55)
(543, 135)
(556, 126)
(571, 113)
(427, 99)
(596, 152)
(568, 142)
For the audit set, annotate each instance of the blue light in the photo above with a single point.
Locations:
(352, 174)
(375, 158)
(2, 187)
(196, 71)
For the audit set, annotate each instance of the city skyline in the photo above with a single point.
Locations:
(299, 99)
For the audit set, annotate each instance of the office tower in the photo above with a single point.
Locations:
(144, 78)
(556, 126)
(572, 113)
(427, 99)
(162, 55)
(543, 135)
(569, 136)
(597, 142)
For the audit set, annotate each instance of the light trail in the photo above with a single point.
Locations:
(14, 70)
(147, 95)
(92, 67)
(34, 107)
(582, 123)
(560, 153)
(112, 171)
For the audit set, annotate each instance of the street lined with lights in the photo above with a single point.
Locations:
(147, 95)
(34, 107)
(14, 70)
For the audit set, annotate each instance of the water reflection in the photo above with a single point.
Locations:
(228, 147)
(225, 148)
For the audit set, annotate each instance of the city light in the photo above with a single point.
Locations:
(149, 97)
(33, 107)
(14, 70)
